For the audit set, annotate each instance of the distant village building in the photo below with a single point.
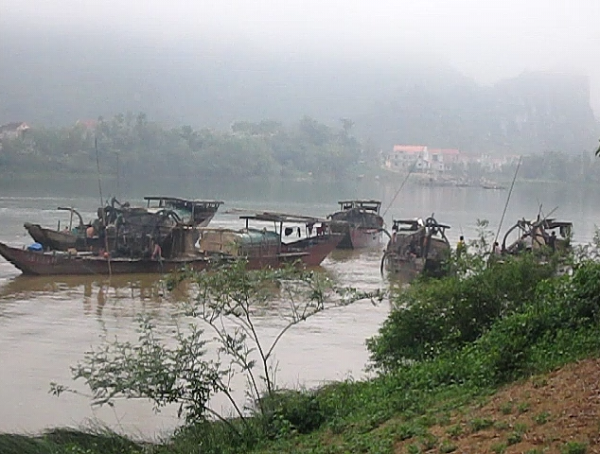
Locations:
(404, 157)
(87, 127)
(421, 158)
(13, 130)
(443, 159)
(487, 162)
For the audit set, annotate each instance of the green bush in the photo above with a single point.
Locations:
(436, 316)
(573, 447)
(292, 412)
(563, 308)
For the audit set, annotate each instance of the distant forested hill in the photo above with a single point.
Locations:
(56, 80)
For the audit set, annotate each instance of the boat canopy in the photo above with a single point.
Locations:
(415, 224)
(73, 211)
(368, 205)
(273, 216)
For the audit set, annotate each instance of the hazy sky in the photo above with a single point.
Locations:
(487, 40)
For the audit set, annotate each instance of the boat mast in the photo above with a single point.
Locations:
(280, 237)
(506, 204)
(102, 206)
(412, 169)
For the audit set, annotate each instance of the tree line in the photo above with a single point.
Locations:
(130, 145)
(134, 146)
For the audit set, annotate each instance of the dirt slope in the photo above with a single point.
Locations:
(554, 413)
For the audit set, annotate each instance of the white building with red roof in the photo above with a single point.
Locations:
(404, 157)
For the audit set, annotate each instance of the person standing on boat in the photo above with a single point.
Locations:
(461, 247)
(497, 250)
(552, 241)
(156, 251)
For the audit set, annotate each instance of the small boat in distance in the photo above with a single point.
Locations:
(489, 184)
(260, 248)
(416, 247)
(359, 222)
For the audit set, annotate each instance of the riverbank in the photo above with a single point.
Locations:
(506, 382)
(556, 411)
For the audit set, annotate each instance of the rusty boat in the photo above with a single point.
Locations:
(359, 222)
(186, 246)
(415, 247)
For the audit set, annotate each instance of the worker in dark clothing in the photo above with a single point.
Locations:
(552, 241)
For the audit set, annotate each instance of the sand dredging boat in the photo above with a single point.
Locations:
(159, 242)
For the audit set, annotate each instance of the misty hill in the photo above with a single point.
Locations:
(56, 80)
(532, 113)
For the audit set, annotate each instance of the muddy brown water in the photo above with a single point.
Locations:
(47, 323)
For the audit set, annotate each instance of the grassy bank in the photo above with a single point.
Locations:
(488, 380)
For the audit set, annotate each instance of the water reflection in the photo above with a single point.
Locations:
(129, 286)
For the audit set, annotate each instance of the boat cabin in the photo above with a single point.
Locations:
(372, 206)
(284, 237)
(412, 225)
(313, 226)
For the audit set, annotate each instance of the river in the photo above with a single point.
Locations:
(46, 324)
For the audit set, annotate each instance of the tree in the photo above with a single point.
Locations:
(226, 302)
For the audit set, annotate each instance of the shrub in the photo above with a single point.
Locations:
(433, 316)
(573, 447)
(292, 411)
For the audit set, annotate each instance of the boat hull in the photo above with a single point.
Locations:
(401, 261)
(409, 268)
(55, 240)
(314, 249)
(359, 222)
(308, 252)
(354, 237)
(364, 237)
(405, 269)
(51, 239)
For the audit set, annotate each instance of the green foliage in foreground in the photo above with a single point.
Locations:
(435, 316)
(69, 441)
(556, 324)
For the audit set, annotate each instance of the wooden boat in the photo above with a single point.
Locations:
(543, 234)
(416, 247)
(86, 263)
(260, 248)
(488, 184)
(161, 213)
(72, 237)
(359, 222)
(269, 247)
